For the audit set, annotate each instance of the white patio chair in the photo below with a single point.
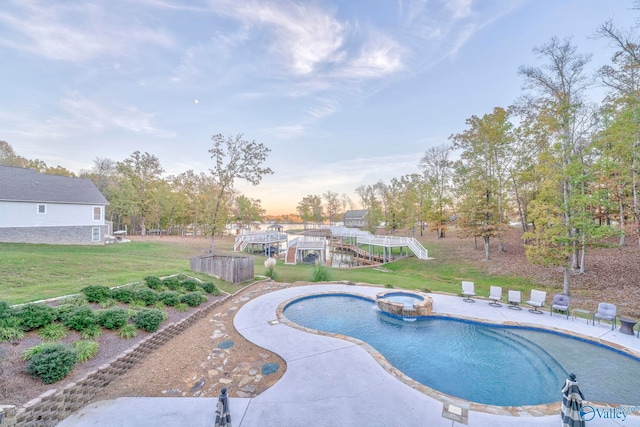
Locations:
(468, 291)
(514, 298)
(606, 311)
(536, 301)
(495, 295)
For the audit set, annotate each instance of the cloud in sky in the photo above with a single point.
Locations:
(345, 93)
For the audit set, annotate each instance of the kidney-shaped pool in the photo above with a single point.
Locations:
(479, 362)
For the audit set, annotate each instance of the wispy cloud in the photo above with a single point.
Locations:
(74, 32)
(305, 36)
(85, 113)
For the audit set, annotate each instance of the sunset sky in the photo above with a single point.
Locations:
(344, 93)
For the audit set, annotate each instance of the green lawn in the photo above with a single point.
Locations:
(34, 272)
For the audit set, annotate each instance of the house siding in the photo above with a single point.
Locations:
(60, 235)
(25, 214)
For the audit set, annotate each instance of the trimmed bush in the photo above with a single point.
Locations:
(53, 332)
(6, 310)
(97, 293)
(86, 349)
(149, 296)
(34, 316)
(113, 318)
(149, 319)
(172, 283)
(125, 295)
(153, 282)
(79, 318)
(210, 288)
(170, 298)
(189, 285)
(193, 299)
(52, 362)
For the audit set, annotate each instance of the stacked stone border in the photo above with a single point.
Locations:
(55, 405)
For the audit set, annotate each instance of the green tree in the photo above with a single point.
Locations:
(310, 209)
(487, 152)
(139, 178)
(437, 169)
(559, 85)
(246, 211)
(332, 200)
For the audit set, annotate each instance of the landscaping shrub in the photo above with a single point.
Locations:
(110, 302)
(153, 282)
(127, 331)
(34, 316)
(270, 265)
(148, 296)
(125, 295)
(181, 307)
(53, 332)
(320, 274)
(149, 319)
(91, 332)
(170, 298)
(78, 299)
(6, 310)
(189, 285)
(10, 329)
(172, 283)
(52, 363)
(86, 349)
(79, 318)
(113, 318)
(97, 293)
(210, 288)
(193, 299)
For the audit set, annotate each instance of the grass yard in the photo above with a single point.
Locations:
(36, 272)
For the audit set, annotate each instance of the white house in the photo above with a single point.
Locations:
(356, 218)
(40, 208)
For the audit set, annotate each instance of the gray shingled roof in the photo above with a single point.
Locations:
(27, 185)
(355, 214)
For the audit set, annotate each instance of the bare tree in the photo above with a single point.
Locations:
(235, 158)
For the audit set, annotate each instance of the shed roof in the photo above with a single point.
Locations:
(28, 185)
(355, 214)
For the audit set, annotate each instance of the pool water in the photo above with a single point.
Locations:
(495, 365)
(403, 298)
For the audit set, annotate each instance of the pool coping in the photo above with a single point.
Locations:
(515, 411)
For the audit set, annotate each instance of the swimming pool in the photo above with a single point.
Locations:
(488, 364)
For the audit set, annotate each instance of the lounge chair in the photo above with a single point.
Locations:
(495, 295)
(468, 291)
(606, 311)
(536, 301)
(560, 303)
(514, 298)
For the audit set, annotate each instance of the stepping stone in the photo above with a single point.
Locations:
(226, 344)
(270, 368)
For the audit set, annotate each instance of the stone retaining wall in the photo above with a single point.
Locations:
(55, 405)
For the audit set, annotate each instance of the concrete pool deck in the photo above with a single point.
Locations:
(331, 381)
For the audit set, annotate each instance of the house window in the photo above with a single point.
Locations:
(95, 234)
(42, 209)
(97, 213)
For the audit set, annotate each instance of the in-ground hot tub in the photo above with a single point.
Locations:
(405, 303)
